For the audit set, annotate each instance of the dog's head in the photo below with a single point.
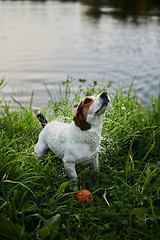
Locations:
(89, 108)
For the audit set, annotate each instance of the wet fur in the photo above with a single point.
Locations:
(79, 141)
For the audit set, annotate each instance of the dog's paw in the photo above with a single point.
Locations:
(75, 188)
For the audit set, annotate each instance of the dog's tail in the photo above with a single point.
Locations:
(40, 116)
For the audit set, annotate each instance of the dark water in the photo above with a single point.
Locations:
(44, 42)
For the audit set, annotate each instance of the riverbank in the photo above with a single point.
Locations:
(35, 200)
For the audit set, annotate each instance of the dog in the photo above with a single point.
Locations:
(77, 142)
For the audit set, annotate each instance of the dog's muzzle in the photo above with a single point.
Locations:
(105, 101)
(105, 98)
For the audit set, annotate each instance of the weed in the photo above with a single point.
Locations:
(35, 201)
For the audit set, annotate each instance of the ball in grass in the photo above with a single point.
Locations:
(84, 194)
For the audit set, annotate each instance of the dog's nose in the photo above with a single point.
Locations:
(104, 96)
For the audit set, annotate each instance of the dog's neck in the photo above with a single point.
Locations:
(95, 126)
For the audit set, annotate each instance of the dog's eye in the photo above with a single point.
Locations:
(87, 100)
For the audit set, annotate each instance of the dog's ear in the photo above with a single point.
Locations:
(79, 118)
(81, 123)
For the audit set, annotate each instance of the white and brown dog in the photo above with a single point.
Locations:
(79, 141)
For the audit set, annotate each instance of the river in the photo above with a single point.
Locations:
(47, 41)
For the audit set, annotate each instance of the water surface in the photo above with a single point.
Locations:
(44, 42)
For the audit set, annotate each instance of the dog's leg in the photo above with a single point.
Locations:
(95, 164)
(71, 171)
(40, 149)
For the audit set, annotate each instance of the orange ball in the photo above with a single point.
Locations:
(83, 193)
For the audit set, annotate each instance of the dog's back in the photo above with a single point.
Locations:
(53, 136)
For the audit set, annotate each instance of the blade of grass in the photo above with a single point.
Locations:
(49, 93)
(146, 154)
(129, 153)
(31, 100)
(16, 101)
(148, 235)
(19, 183)
(153, 213)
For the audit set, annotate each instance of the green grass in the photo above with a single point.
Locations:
(35, 201)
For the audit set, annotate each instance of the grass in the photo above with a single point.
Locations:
(35, 201)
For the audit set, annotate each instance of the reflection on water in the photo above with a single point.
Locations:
(122, 9)
(44, 42)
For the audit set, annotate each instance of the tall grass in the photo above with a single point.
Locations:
(35, 201)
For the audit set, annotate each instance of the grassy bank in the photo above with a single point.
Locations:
(35, 201)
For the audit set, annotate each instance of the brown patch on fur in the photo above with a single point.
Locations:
(82, 112)
(75, 105)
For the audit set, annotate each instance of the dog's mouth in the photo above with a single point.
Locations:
(105, 101)
(103, 107)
